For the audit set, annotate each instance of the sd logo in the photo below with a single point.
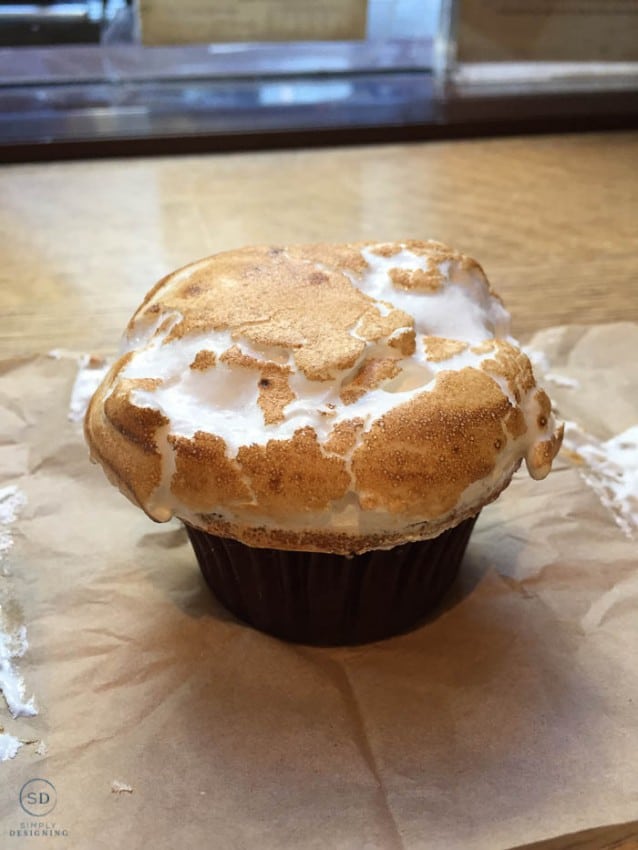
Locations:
(38, 797)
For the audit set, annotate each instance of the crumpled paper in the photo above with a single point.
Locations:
(509, 717)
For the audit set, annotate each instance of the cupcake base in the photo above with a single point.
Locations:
(324, 599)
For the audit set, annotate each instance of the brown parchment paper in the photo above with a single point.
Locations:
(510, 717)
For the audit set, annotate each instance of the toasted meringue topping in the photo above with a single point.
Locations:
(325, 397)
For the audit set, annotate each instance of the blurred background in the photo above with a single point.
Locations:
(120, 77)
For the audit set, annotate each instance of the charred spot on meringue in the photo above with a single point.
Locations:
(204, 360)
(421, 280)
(438, 348)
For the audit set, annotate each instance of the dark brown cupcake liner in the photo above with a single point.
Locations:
(325, 599)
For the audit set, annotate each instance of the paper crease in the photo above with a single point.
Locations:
(338, 673)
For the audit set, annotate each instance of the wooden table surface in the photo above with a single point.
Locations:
(552, 219)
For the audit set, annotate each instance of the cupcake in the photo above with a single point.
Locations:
(327, 421)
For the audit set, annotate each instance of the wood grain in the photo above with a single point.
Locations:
(552, 219)
(617, 837)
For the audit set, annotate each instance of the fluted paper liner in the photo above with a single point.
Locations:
(325, 599)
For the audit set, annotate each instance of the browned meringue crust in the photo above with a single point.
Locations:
(415, 461)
